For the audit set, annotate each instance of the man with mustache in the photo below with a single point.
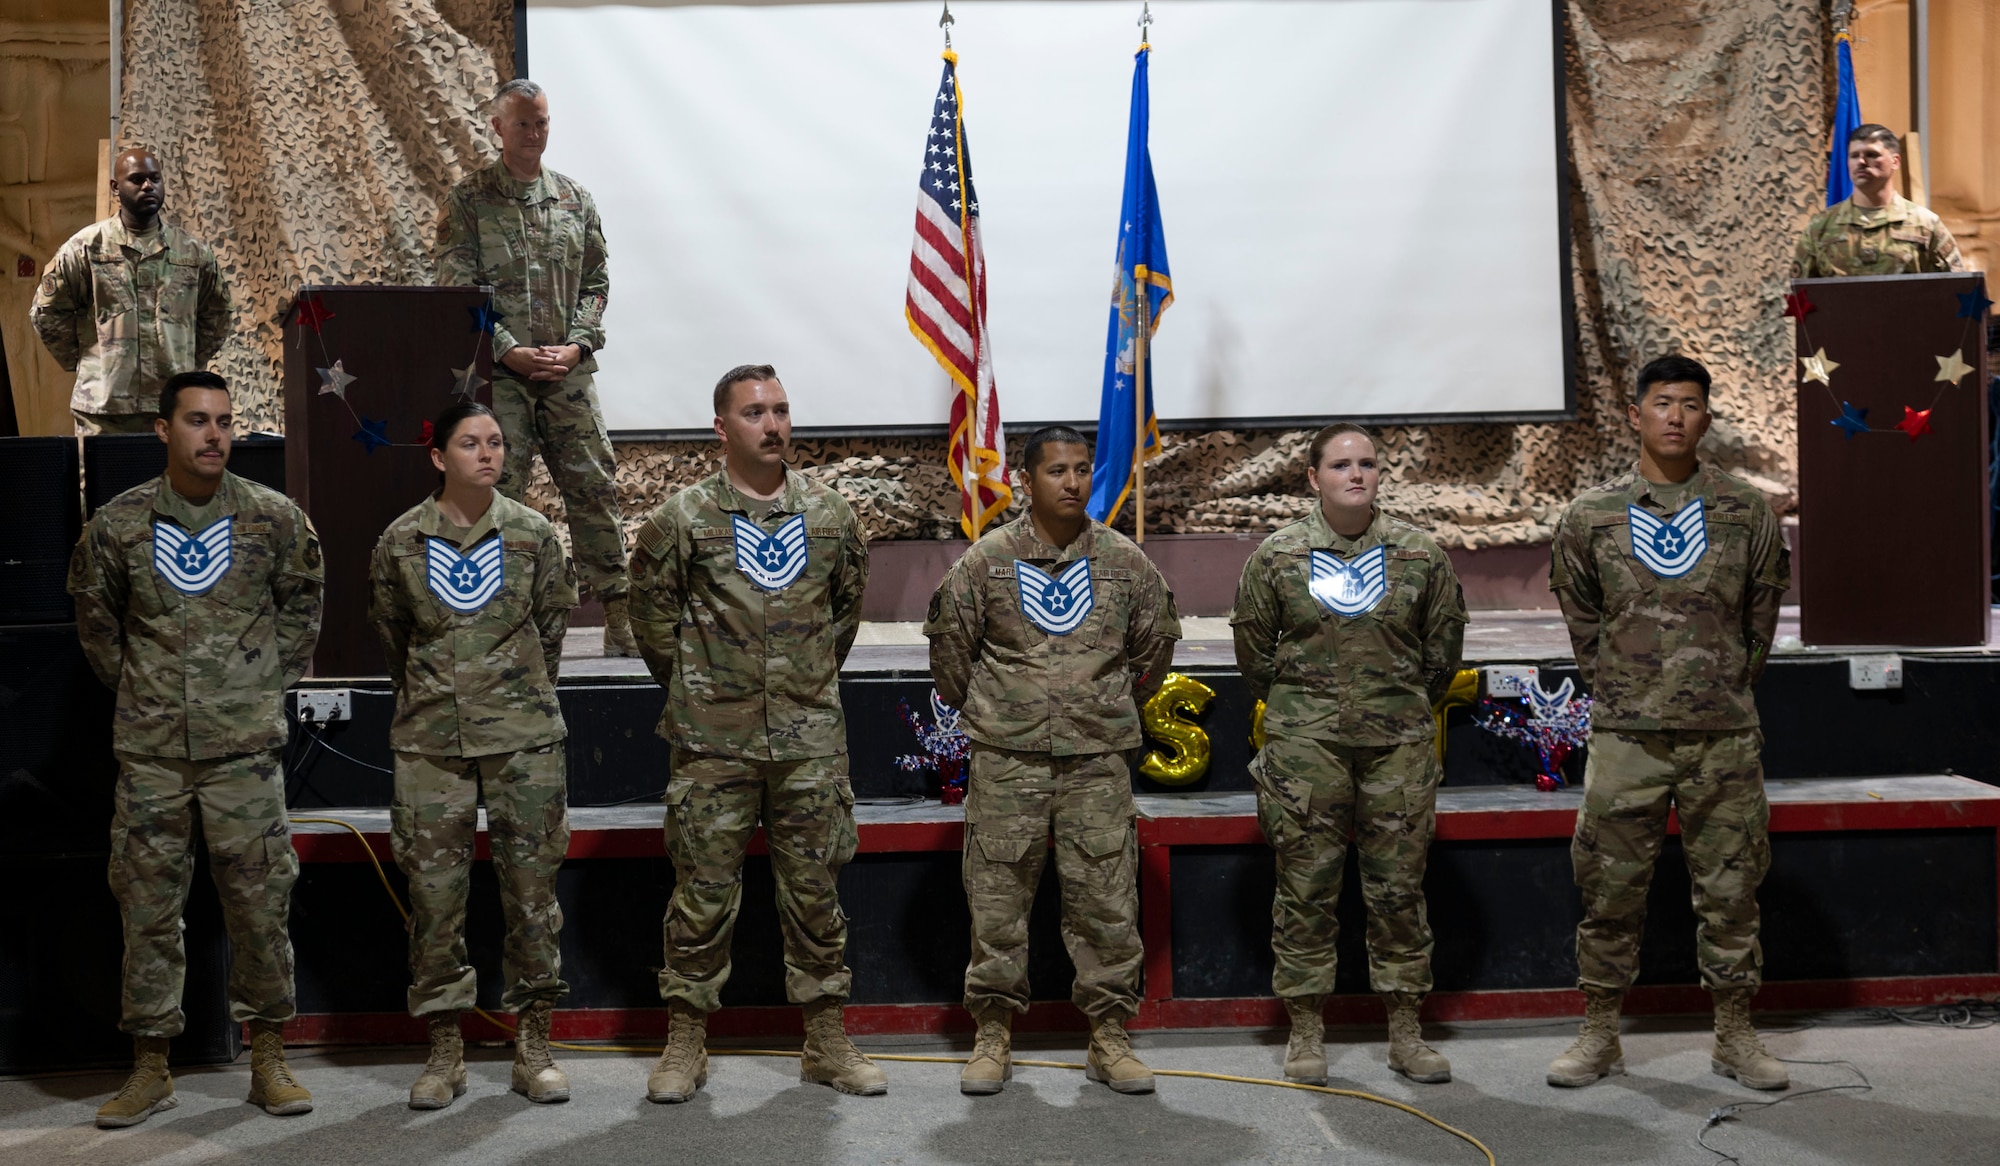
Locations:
(746, 596)
(1049, 634)
(129, 302)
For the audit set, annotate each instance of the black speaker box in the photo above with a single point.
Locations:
(115, 462)
(56, 765)
(39, 526)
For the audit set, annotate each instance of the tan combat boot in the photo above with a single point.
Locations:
(1738, 1053)
(1408, 1054)
(1111, 1059)
(1305, 1053)
(618, 639)
(271, 1082)
(991, 1065)
(443, 1078)
(1596, 1052)
(536, 1076)
(683, 1064)
(148, 1090)
(831, 1059)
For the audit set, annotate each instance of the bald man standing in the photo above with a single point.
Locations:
(129, 302)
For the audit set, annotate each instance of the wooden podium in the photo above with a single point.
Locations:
(356, 452)
(1894, 511)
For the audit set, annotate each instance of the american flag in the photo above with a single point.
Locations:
(946, 308)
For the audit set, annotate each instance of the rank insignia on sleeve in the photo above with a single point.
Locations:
(1349, 589)
(1670, 547)
(772, 561)
(464, 582)
(1057, 604)
(192, 564)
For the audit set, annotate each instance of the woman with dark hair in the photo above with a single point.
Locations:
(472, 593)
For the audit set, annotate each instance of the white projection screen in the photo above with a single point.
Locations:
(1362, 202)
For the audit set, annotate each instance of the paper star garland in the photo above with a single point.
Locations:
(1851, 420)
(372, 434)
(484, 318)
(468, 380)
(425, 434)
(1952, 369)
(335, 380)
(1797, 305)
(1819, 368)
(1972, 305)
(310, 313)
(1915, 422)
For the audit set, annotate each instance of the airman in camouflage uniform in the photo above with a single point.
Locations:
(744, 609)
(539, 244)
(1349, 748)
(476, 710)
(1051, 714)
(1671, 592)
(1875, 231)
(127, 303)
(200, 614)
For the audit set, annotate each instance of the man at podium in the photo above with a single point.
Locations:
(1875, 231)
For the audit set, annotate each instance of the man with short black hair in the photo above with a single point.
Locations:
(198, 601)
(1670, 579)
(1874, 231)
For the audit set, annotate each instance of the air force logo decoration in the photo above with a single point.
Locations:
(1349, 589)
(464, 583)
(1057, 604)
(772, 561)
(1669, 547)
(192, 564)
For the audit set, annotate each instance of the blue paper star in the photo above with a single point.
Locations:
(372, 434)
(484, 318)
(1973, 304)
(1851, 420)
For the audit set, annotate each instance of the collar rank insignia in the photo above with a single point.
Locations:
(1057, 604)
(192, 564)
(772, 561)
(1669, 547)
(1349, 589)
(465, 582)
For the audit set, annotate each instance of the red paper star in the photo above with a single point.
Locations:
(310, 313)
(1915, 423)
(424, 434)
(1797, 305)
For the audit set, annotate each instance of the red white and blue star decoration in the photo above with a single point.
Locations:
(945, 748)
(309, 312)
(1853, 421)
(1553, 724)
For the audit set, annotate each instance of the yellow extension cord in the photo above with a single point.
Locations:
(910, 1058)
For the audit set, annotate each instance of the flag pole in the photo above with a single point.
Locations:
(1142, 343)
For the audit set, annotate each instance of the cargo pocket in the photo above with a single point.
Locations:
(1107, 874)
(846, 835)
(680, 792)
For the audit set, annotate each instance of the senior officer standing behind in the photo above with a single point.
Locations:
(471, 592)
(129, 302)
(746, 597)
(1875, 231)
(1349, 626)
(1670, 579)
(198, 601)
(533, 236)
(1049, 634)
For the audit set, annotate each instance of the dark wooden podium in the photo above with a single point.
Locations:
(1893, 507)
(356, 459)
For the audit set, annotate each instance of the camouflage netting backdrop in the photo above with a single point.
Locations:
(310, 142)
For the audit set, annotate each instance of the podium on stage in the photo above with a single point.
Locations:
(366, 369)
(1894, 510)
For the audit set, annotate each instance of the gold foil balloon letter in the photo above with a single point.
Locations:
(1169, 718)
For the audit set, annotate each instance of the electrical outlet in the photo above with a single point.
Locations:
(1510, 680)
(1872, 673)
(320, 706)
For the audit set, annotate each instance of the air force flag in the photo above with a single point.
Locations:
(1349, 589)
(773, 561)
(1057, 604)
(1669, 547)
(192, 564)
(465, 582)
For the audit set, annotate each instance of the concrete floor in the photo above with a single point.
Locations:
(1936, 1099)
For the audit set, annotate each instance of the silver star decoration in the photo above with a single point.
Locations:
(335, 380)
(468, 381)
(1819, 368)
(1952, 369)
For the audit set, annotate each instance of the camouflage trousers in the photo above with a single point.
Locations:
(1012, 803)
(242, 805)
(1310, 796)
(432, 824)
(562, 422)
(1714, 781)
(92, 424)
(714, 805)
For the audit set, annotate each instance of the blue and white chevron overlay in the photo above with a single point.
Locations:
(772, 561)
(465, 582)
(1057, 604)
(1349, 589)
(1670, 547)
(192, 564)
